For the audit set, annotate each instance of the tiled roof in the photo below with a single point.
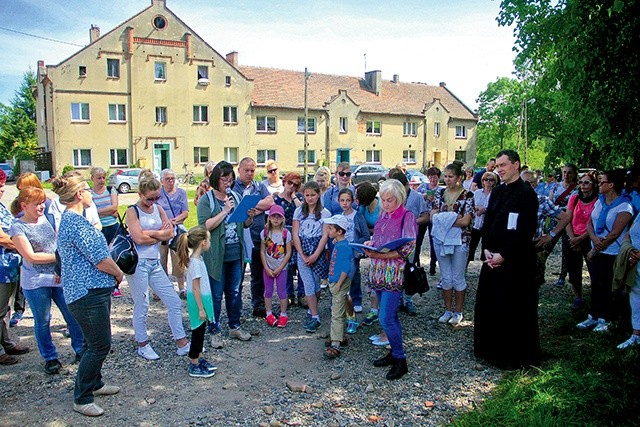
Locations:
(285, 89)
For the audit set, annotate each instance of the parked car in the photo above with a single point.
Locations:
(374, 174)
(8, 170)
(413, 172)
(125, 180)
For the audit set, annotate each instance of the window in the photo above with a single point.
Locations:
(118, 157)
(311, 125)
(80, 112)
(230, 115)
(462, 156)
(264, 155)
(231, 154)
(160, 22)
(117, 113)
(409, 156)
(200, 155)
(373, 156)
(311, 157)
(203, 72)
(461, 132)
(160, 72)
(200, 114)
(374, 127)
(161, 115)
(227, 81)
(265, 124)
(343, 125)
(81, 158)
(436, 128)
(409, 129)
(113, 68)
(82, 71)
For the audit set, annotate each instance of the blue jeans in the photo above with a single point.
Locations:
(356, 284)
(257, 281)
(292, 271)
(39, 300)
(93, 314)
(229, 285)
(388, 317)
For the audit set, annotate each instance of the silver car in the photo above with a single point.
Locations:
(8, 170)
(125, 180)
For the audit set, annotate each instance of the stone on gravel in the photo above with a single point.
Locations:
(370, 388)
(335, 376)
(268, 410)
(299, 387)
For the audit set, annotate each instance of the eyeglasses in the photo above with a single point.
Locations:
(226, 180)
(295, 184)
(152, 199)
(489, 179)
(272, 170)
(170, 179)
(347, 174)
(585, 183)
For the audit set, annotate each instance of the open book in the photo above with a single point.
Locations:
(387, 247)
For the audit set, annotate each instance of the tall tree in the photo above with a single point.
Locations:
(18, 122)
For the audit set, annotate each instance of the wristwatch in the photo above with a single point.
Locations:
(552, 234)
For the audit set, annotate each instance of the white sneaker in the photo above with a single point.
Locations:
(183, 351)
(148, 353)
(357, 308)
(455, 319)
(633, 340)
(602, 326)
(239, 334)
(445, 317)
(216, 340)
(587, 323)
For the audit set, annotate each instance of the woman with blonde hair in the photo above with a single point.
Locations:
(272, 181)
(323, 178)
(106, 201)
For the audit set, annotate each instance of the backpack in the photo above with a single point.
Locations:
(123, 249)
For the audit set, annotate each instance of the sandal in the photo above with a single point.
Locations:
(332, 352)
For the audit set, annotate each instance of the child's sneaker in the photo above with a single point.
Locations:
(16, 318)
(352, 326)
(116, 293)
(271, 320)
(282, 321)
(455, 319)
(445, 317)
(312, 326)
(370, 318)
(199, 371)
(207, 365)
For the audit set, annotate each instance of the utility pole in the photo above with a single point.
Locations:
(306, 121)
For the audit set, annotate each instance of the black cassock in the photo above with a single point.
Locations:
(506, 313)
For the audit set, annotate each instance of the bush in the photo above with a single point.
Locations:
(67, 168)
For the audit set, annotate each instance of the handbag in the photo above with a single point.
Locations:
(415, 279)
(123, 249)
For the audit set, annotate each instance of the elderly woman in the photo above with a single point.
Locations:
(35, 240)
(9, 274)
(480, 202)
(386, 273)
(272, 181)
(106, 201)
(204, 186)
(84, 255)
(174, 202)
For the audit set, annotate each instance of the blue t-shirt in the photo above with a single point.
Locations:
(341, 261)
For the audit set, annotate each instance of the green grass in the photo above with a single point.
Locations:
(585, 381)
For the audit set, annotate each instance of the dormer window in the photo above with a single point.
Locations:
(203, 75)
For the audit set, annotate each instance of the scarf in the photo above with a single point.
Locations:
(601, 223)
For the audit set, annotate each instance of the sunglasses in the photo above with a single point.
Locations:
(489, 179)
(152, 199)
(272, 170)
(295, 184)
(347, 174)
(585, 183)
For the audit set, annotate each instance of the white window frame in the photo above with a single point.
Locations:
(113, 68)
(117, 113)
(409, 157)
(373, 156)
(203, 72)
(311, 125)
(265, 127)
(461, 132)
(344, 124)
(410, 129)
(114, 156)
(160, 71)
(198, 116)
(231, 155)
(311, 157)
(230, 115)
(263, 156)
(371, 127)
(77, 157)
(200, 155)
(161, 115)
(227, 81)
(436, 128)
(80, 110)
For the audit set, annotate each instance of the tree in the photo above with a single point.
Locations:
(18, 122)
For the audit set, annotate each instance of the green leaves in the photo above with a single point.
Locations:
(18, 122)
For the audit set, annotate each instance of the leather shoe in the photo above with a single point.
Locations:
(5, 359)
(107, 390)
(383, 361)
(89, 409)
(18, 349)
(398, 369)
(260, 312)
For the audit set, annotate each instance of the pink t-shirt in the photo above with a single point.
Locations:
(581, 214)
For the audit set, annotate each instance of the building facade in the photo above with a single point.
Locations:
(153, 93)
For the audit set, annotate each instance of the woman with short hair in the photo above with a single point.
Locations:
(272, 181)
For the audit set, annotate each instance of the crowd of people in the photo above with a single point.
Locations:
(296, 238)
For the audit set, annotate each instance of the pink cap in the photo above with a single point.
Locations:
(276, 210)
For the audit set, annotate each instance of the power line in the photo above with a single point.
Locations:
(40, 37)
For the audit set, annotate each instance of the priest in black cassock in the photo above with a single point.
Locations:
(506, 312)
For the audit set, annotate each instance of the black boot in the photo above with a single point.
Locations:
(383, 361)
(398, 369)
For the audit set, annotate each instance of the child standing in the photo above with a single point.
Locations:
(310, 238)
(341, 269)
(275, 252)
(199, 299)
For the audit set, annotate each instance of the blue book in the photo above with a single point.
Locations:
(239, 213)
(387, 247)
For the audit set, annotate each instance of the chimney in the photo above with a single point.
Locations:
(94, 33)
(443, 84)
(158, 3)
(396, 78)
(374, 80)
(232, 58)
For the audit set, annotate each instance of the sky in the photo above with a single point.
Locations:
(430, 41)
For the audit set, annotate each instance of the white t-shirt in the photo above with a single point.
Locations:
(310, 226)
(614, 247)
(351, 232)
(275, 247)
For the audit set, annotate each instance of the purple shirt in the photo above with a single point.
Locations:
(173, 204)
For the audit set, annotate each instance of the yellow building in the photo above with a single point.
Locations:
(153, 93)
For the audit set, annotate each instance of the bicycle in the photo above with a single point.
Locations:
(187, 178)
